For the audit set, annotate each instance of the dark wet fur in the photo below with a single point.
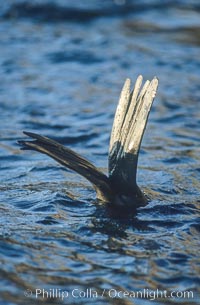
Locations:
(72, 160)
(105, 189)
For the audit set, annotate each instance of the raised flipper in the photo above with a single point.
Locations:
(128, 128)
(130, 121)
(72, 160)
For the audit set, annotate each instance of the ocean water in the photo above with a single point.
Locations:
(62, 66)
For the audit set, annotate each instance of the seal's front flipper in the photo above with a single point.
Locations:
(128, 128)
(72, 160)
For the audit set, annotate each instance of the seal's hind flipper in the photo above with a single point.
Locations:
(128, 128)
(72, 160)
(127, 132)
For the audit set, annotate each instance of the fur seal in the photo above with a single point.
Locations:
(120, 186)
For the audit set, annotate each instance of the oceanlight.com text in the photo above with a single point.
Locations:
(92, 293)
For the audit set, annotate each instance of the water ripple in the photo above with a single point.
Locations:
(62, 67)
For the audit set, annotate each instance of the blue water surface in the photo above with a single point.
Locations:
(62, 66)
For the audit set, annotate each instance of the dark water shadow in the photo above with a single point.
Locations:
(52, 12)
